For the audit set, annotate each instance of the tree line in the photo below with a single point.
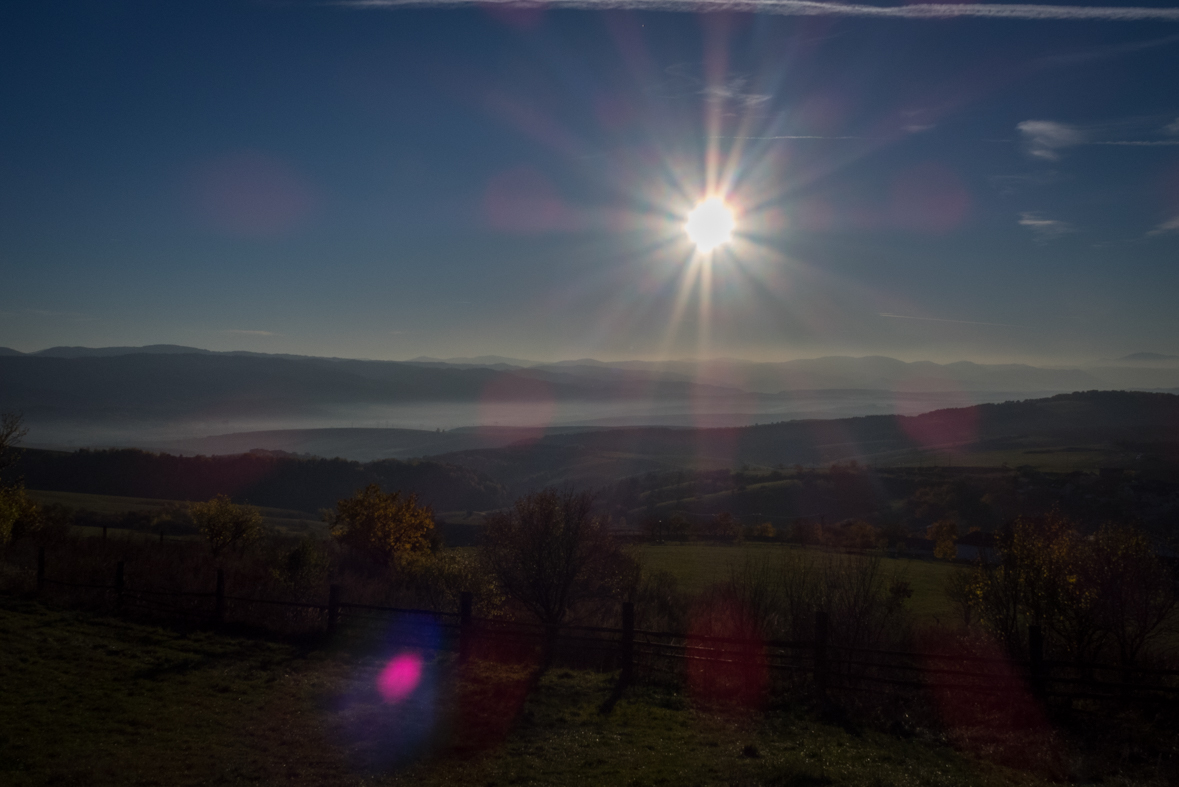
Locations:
(261, 477)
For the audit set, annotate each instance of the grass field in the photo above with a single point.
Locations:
(98, 701)
(297, 522)
(696, 566)
(1044, 456)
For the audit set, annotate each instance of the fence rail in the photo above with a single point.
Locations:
(827, 666)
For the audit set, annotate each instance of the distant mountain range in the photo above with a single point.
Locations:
(160, 394)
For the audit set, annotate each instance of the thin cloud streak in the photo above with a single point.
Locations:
(1045, 138)
(810, 8)
(1107, 52)
(1144, 143)
(805, 136)
(1166, 227)
(940, 319)
(1045, 229)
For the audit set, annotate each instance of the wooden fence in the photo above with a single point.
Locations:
(727, 664)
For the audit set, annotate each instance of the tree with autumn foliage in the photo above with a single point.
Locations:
(1105, 594)
(386, 526)
(943, 533)
(19, 515)
(226, 524)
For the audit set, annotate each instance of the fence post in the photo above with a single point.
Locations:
(40, 569)
(219, 598)
(333, 609)
(104, 534)
(1036, 661)
(119, 585)
(821, 666)
(465, 603)
(628, 641)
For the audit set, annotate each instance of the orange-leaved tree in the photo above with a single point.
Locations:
(226, 524)
(19, 515)
(943, 533)
(383, 525)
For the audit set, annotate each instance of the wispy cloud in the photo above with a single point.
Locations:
(50, 314)
(734, 90)
(942, 319)
(1106, 52)
(239, 332)
(811, 8)
(1045, 229)
(801, 136)
(1046, 138)
(1137, 143)
(1010, 184)
(684, 79)
(1166, 227)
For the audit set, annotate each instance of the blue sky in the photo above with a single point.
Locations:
(386, 182)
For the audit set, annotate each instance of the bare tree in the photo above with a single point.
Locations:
(552, 555)
(1136, 591)
(12, 431)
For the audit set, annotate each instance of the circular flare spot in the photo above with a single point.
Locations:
(400, 677)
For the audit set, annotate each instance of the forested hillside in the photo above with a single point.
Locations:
(266, 479)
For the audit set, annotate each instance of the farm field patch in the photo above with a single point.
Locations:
(696, 566)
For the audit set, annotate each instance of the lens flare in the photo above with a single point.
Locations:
(400, 677)
(710, 224)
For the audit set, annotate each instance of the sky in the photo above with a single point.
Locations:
(386, 180)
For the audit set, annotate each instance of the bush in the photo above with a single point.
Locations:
(19, 515)
(763, 532)
(550, 554)
(305, 566)
(777, 599)
(1091, 596)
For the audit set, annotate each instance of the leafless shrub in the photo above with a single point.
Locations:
(550, 554)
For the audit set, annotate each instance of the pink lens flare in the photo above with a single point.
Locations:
(400, 677)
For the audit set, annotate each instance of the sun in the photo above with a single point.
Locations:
(710, 224)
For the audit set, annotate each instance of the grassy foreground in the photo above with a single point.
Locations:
(91, 700)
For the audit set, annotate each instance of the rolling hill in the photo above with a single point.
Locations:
(1096, 418)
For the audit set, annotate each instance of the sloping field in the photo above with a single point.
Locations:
(100, 701)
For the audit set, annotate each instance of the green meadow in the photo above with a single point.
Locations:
(287, 520)
(696, 566)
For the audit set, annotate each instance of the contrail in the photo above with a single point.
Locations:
(813, 8)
